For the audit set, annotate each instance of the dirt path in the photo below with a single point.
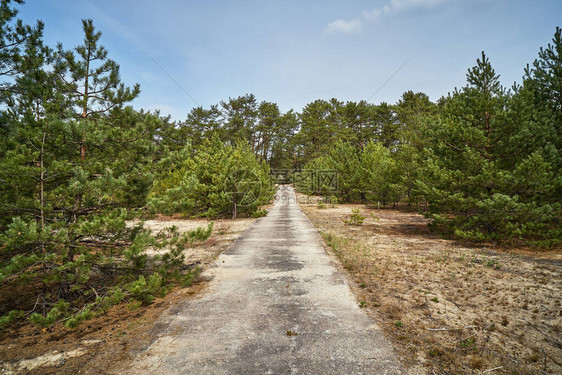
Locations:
(277, 305)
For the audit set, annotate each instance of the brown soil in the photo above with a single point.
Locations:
(449, 308)
(92, 347)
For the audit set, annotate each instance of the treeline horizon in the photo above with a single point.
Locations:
(485, 158)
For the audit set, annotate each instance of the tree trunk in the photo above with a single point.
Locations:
(42, 188)
(42, 199)
(488, 129)
(78, 197)
(265, 146)
(253, 141)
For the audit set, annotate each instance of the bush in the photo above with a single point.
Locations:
(260, 213)
(146, 291)
(59, 310)
(200, 234)
(189, 277)
(11, 317)
(356, 217)
(85, 314)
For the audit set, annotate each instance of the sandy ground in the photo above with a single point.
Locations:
(225, 231)
(450, 308)
(119, 333)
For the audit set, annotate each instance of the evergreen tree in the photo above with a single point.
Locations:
(315, 131)
(470, 173)
(361, 122)
(386, 125)
(541, 104)
(91, 81)
(543, 78)
(380, 178)
(268, 126)
(16, 41)
(343, 159)
(47, 235)
(201, 124)
(284, 142)
(240, 118)
(215, 180)
(413, 109)
(15, 37)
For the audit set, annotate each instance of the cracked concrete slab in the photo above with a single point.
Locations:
(276, 305)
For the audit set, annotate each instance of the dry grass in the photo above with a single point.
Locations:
(449, 308)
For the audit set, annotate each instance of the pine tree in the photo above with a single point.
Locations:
(216, 179)
(413, 110)
(470, 170)
(15, 37)
(240, 118)
(267, 128)
(380, 178)
(201, 124)
(544, 77)
(343, 160)
(45, 236)
(315, 132)
(284, 143)
(91, 81)
(16, 40)
(386, 124)
(541, 97)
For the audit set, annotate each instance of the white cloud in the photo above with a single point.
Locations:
(396, 6)
(393, 6)
(372, 14)
(343, 26)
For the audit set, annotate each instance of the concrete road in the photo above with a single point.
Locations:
(277, 305)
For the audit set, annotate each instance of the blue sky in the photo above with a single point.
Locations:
(294, 52)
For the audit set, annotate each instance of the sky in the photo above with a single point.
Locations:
(192, 53)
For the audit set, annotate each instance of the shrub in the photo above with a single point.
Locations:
(188, 278)
(146, 291)
(57, 311)
(260, 213)
(11, 317)
(356, 217)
